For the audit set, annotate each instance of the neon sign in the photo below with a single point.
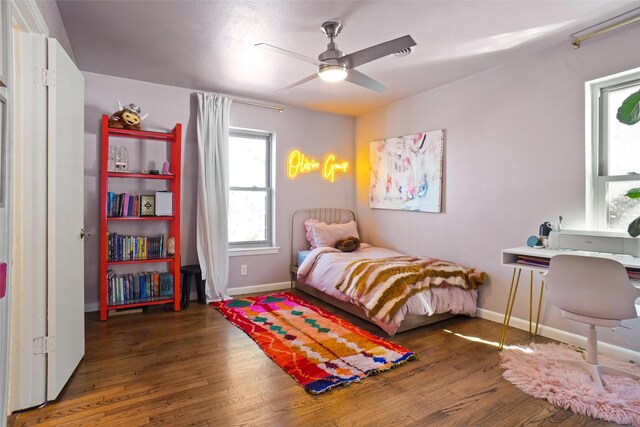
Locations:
(298, 164)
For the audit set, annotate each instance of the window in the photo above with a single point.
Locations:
(614, 166)
(250, 189)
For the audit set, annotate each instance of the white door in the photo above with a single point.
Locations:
(6, 145)
(65, 218)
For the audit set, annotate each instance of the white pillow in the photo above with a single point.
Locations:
(329, 234)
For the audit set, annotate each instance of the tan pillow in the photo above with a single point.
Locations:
(349, 244)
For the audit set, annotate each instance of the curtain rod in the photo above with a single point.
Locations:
(255, 104)
(576, 42)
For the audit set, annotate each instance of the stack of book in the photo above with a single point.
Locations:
(634, 273)
(122, 205)
(126, 205)
(138, 287)
(132, 248)
(532, 260)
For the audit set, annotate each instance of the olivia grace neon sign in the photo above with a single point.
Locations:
(298, 164)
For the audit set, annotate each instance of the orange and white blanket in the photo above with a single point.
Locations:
(325, 268)
(382, 286)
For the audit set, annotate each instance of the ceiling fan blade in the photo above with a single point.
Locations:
(299, 82)
(287, 52)
(369, 54)
(356, 77)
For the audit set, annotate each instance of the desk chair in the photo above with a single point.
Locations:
(595, 291)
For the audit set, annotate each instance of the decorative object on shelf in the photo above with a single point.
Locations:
(165, 168)
(111, 163)
(121, 159)
(147, 205)
(127, 117)
(171, 246)
(164, 203)
(406, 172)
(154, 172)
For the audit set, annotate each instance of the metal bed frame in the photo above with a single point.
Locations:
(299, 242)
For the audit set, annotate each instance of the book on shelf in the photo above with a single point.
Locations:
(133, 288)
(531, 260)
(130, 205)
(135, 248)
(147, 205)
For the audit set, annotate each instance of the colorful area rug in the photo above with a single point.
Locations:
(569, 387)
(318, 349)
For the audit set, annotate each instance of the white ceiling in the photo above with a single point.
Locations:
(209, 45)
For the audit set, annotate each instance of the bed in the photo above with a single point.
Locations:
(321, 271)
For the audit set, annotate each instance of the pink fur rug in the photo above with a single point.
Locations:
(571, 387)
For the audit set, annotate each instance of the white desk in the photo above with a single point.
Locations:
(510, 258)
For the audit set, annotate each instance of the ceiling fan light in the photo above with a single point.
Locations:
(333, 73)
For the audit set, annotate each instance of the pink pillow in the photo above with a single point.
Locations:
(329, 234)
(308, 226)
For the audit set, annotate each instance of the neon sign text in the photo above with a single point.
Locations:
(298, 164)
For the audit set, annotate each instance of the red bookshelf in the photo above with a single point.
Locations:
(174, 138)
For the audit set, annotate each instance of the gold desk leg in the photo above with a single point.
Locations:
(530, 302)
(539, 306)
(513, 290)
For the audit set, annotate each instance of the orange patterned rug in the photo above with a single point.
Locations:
(318, 349)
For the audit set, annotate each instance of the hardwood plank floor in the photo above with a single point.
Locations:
(195, 368)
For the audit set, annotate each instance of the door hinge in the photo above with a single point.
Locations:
(44, 345)
(49, 78)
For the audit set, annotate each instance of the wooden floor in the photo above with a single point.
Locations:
(195, 368)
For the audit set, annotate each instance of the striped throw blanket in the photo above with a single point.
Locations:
(382, 286)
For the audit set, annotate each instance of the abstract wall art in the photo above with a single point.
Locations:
(406, 172)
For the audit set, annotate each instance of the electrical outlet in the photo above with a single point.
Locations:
(243, 269)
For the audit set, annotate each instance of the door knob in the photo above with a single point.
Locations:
(84, 234)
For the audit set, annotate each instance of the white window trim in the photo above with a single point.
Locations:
(596, 184)
(269, 247)
(253, 251)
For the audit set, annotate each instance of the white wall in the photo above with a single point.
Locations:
(514, 157)
(312, 132)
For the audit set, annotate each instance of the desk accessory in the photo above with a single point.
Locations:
(545, 229)
(597, 241)
(534, 242)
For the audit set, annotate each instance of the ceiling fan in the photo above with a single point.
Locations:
(334, 65)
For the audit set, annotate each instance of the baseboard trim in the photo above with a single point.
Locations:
(241, 290)
(614, 351)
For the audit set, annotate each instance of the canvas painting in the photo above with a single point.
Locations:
(406, 172)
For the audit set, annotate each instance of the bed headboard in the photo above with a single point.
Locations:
(298, 232)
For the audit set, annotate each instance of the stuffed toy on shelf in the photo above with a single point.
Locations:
(127, 117)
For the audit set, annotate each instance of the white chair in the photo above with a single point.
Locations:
(595, 291)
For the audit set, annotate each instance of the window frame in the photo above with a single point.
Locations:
(269, 190)
(597, 146)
